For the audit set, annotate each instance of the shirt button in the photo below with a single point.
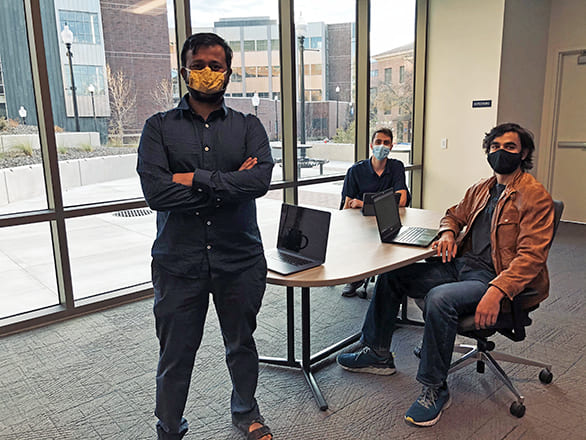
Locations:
(207, 148)
(218, 199)
(208, 247)
(209, 223)
(207, 126)
(196, 212)
(199, 190)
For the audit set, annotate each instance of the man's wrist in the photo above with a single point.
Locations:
(447, 230)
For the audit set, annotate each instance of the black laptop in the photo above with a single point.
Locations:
(368, 203)
(302, 240)
(390, 228)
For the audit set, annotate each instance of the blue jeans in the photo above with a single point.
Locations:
(180, 310)
(450, 290)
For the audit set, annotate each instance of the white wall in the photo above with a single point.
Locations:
(463, 64)
(523, 61)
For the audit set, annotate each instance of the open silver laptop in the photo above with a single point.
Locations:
(390, 228)
(302, 240)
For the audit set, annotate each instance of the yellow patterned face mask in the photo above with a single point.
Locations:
(206, 80)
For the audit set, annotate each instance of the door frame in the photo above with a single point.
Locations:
(547, 166)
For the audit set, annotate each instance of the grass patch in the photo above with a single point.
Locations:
(25, 149)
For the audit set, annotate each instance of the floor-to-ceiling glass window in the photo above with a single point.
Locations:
(325, 60)
(74, 227)
(392, 36)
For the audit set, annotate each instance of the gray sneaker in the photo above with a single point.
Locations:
(367, 361)
(350, 289)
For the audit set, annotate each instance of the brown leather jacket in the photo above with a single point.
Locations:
(520, 234)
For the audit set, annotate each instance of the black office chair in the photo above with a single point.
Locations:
(511, 325)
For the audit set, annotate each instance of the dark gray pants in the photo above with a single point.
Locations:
(180, 310)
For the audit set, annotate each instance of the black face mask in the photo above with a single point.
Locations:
(503, 162)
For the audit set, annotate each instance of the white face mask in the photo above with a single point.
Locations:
(380, 152)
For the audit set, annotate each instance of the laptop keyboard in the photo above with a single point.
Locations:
(411, 234)
(287, 258)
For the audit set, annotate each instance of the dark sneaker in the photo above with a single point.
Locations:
(367, 361)
(428, 408)
(351, 288)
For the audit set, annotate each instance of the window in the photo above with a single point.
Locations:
(374, 73)
(275, 44)
(250, 71)
(276, 70)
(316, 69)
(389, 75)
(236, 75)
(262, 71)
(84, 76)
(315, 42)
(249, 46)
(262, 45)
(402, 74)
(84, 25)
(235, 45)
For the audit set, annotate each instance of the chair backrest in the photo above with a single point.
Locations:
(558, 209)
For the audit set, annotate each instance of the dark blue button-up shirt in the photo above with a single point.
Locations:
(209, 228)
(361, 178)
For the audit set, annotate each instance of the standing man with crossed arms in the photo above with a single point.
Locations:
(201, 166)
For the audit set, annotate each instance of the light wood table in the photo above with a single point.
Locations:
(355, 252)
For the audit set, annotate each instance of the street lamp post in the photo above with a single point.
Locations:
(92, 90)
(22, 113)
(301, 39)
(276, 99)
(337, 106)
(255, 103)
(67, 38)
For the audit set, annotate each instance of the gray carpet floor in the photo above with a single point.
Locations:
(93, 377)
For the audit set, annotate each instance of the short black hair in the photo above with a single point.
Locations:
(525, 136)
(205, 39)
(385, 131)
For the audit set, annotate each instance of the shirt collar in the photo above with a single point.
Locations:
(385, 171)
(221, 112)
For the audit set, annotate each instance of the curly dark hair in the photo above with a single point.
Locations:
(525, 136)
(385, 131)
(205, 39)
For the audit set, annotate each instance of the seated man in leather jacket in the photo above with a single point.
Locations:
(493, 244)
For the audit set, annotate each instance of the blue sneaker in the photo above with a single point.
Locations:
(367, 361)
(429, 406)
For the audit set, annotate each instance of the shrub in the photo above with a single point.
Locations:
(25, 149)
(3, 124)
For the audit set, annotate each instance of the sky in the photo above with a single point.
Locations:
(392, 21)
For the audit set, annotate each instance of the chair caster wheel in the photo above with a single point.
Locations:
(545, 376)
(517, 409)
(417, 351)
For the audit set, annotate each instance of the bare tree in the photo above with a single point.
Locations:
(122, 102)
(162, 95)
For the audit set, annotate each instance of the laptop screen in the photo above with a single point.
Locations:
(387, 214)
(304, 230)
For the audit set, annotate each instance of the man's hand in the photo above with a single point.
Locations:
(183, 178)
(488, 308)
(355, 203)
(248, 164)
(446, 246)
